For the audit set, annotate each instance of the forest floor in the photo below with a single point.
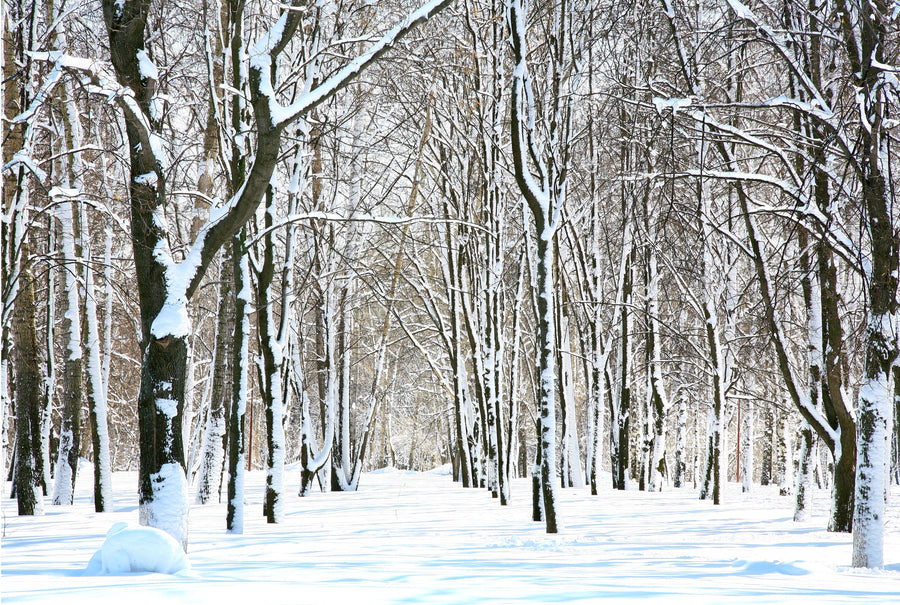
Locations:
(419, 538)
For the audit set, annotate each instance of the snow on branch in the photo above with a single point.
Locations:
(261, 61)
(742, 11)
(183, 278)
(523, 118)
(357, 217)
(23, 158)
(100, 82)
(674, 104)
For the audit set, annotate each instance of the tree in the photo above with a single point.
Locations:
(165, 286)
(866, 32)
(18, 290)
(541, 162)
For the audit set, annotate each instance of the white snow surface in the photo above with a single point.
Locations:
(419, 538)
(129, 549)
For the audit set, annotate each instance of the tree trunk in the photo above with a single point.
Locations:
(895, 439)
(70, 429)
(44, 460)
(876, 393)
(804, 485)
(572, 473)
(765, 471)
(656, 395)
(96, 397)
(271, 348)
(27, 383)
(239, 387)
(785, 454)
(457, 364)
(212, 456)
(546, 373)
(620, 453)
(747, 442)
(679, 479)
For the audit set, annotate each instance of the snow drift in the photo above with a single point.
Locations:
(138, 549)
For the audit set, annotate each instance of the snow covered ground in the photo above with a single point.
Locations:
(418, 538)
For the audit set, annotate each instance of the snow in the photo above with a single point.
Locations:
(267, 42)
(169, 509)
(673, 104)
(172, 320)
(148, 178)
(261, 61)
(740, 10)
(668, 9)
(169, 407)
(157, 146)
(146, 67)
(419, 538)
(135, 549)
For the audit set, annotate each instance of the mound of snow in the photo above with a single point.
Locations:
(446, 469)
(754, 568)
(134, 549)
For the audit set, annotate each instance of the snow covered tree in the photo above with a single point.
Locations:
(165, 286)
(19, 328)
(867, 28)
(541, 161)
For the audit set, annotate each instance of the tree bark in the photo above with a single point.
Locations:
(875, 394)
(27, 384)
(234, 521)
(70, 429)
(212, 456)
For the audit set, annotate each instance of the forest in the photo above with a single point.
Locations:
(622, 245)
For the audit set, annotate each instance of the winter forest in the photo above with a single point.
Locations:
(598, 244)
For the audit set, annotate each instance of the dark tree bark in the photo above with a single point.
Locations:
(27, 388)
(209, 482)
(236, 435)
(27, 381)
(869, 50)
(544, 195)
(620, 453)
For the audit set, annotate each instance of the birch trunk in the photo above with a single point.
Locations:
(271, 348)
(545, 197)
(70, 429)
(96, 398)
(679, 478)
(804, 485)
(44, 461)
(572, 473)
(747, 442)
(212, 454)
(656, 394)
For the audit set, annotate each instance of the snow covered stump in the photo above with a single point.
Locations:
(138, 549)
